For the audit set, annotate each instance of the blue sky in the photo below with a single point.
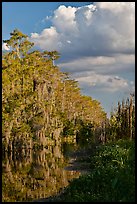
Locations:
(13, 15)
(96, 47)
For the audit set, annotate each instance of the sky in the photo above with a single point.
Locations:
(96, 42)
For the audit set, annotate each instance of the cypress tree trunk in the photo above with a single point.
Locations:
(130, 116)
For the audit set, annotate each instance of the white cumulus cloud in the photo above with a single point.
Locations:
(96, 42)
(100, 29)
(5, 47)
(48, 39)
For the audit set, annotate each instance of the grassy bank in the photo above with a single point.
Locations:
(112, 176)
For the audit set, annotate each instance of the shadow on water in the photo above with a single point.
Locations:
(36, 174)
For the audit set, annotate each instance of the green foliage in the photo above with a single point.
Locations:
(112, 177)
(68, 128)
(85, 131)
(19, 43)
(39, 99)
(37, 146)
(122, 120)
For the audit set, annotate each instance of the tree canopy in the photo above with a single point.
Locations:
(39, 101)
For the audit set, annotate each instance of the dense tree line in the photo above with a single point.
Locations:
(39, 102)
(122, 119)
(121, 124)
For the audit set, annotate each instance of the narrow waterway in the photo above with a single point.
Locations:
(35, 175)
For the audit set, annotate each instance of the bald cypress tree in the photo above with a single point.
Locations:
(122, 121)
(130, 115)
(39, 101)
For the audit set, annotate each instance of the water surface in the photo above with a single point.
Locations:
(36, 174)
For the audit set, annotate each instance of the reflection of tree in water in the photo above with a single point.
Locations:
(34, 175)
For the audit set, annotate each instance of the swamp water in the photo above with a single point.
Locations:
(36, 174)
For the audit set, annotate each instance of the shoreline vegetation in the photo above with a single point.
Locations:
(110, 176)
(42, 106)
